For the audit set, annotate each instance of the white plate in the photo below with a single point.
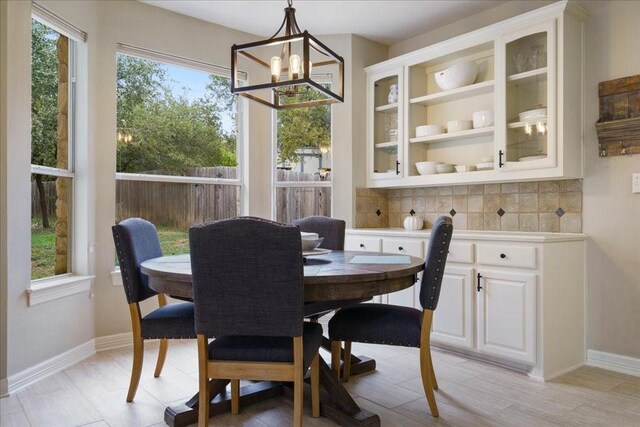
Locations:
(318, 251)
(536, 157)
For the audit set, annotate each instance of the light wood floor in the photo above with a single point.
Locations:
(471, 393)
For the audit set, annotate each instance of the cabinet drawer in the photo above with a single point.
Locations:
(507, 256)
(461, 252)
(403, 246)
(368, 244)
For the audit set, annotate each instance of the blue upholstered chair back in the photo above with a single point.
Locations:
(136, 241)
(435, 262)
(330, 228)
(247, 278)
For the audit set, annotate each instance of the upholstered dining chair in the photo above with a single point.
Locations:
(247, 278)
(136, 241)
(397, 325)
(332, 230)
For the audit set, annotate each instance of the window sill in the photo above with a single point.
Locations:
(51, 289)
(116, 277)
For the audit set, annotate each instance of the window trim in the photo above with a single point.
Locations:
(56, 287)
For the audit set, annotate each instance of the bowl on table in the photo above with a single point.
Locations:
(310, 241)
(461, 74)
(427, 168)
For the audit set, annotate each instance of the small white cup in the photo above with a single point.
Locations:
(482, 119)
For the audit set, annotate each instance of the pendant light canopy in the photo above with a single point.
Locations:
(290, 70)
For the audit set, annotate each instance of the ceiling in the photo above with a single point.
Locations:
(387, 22)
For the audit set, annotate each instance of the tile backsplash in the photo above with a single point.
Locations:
(548, 206)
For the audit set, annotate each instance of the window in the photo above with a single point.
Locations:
(302, 162)
(177, 145)
(52, 150)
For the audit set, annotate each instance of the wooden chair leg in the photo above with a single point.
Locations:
(346, 366)
(235, 397)
(336, 348)
(162, 355)
(298, 382)
(315, 386)
(426, 366)
(433, 372)
(203, 381)
(136, 369)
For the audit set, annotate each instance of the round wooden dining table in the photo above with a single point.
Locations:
(334, 276)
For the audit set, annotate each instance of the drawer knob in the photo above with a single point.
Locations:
(400, 248)
(503, 256)
(362, 245)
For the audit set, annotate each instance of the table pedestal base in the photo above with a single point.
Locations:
(335, 401)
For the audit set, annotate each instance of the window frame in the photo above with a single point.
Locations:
(326, 78)
(54, 287)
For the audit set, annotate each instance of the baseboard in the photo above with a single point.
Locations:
(49, 367)
(111, 342)
(4, 388)
(614, 362)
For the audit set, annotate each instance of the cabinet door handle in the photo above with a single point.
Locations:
(479, 277)
(362, 245)
(500, 162)
(397, 167)
(503, 256)
(400, 248)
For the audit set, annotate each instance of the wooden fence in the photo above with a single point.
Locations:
(182, 205)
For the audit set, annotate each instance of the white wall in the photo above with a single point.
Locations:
(611, 213)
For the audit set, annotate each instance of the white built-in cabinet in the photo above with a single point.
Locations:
(512, 298)
(529, 61)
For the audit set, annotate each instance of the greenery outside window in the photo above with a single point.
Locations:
(52, 149)
(302, 158)
(178, 144)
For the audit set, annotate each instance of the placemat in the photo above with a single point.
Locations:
(380, 259)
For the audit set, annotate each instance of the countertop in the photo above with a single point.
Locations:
(516, 236)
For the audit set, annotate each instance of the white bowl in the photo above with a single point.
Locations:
(445, 168)
(483, 166)
(531, 115)
(308, 236)
(461, 74)
(427, 168)
(429, 130)
(482, 119)
(459, 125)
(309, 245)
(465, 168)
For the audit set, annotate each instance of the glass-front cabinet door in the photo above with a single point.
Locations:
(384, 124)
(527, 138)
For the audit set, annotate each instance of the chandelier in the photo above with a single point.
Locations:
(281, 68)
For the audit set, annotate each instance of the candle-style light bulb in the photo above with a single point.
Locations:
(294, 67)
(276, 68)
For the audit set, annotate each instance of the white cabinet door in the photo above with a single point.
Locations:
(404, 297)
(454, 317)
(506, 315)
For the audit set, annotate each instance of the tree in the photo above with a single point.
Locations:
(308, 127)
(44, 105)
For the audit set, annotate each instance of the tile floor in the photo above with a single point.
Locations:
(92, 393)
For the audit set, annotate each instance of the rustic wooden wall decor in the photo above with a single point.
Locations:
(619, 124)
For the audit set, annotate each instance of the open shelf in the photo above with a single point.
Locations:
(389, 108)
(471, 133)
(387, 144)
(528, 76)
(455, 94)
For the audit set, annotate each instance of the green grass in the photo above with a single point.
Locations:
(43, 246)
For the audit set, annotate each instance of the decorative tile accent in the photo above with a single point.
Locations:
(546, 206)
(500, 212)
